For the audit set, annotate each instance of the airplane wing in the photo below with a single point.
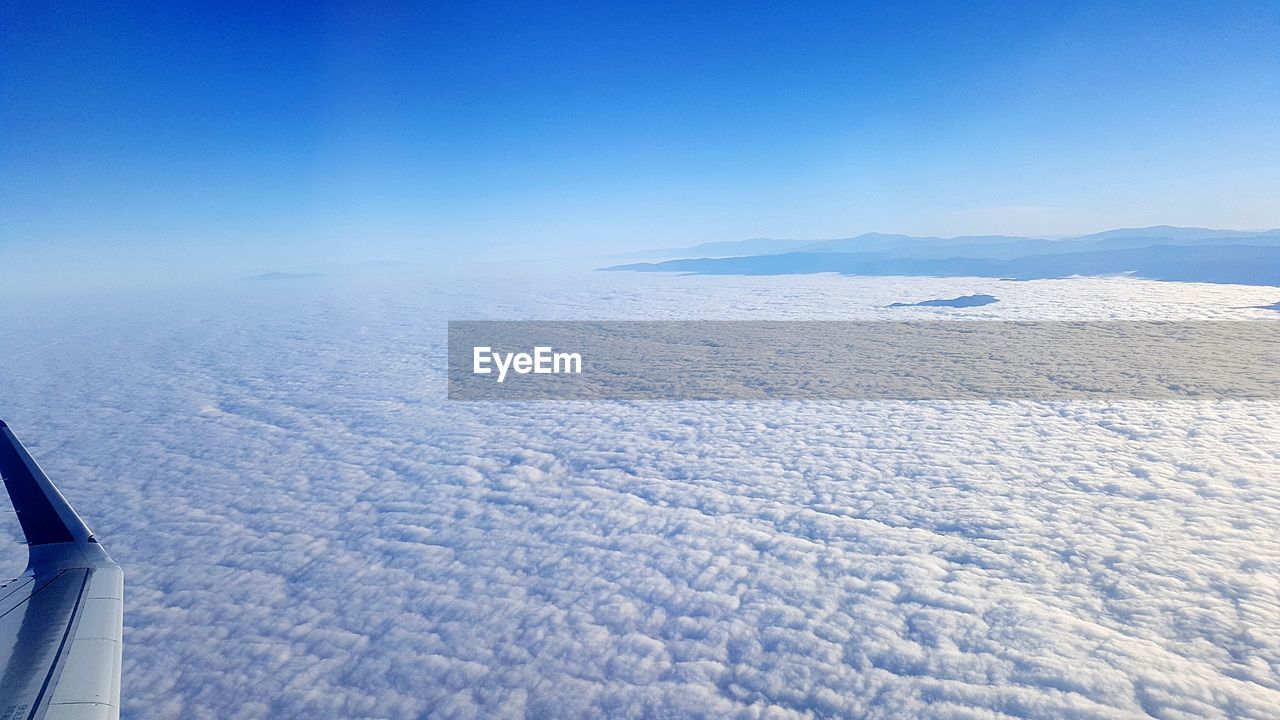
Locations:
(61, 621)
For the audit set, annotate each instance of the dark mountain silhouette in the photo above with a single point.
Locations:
(984, 246)
(1225, 263)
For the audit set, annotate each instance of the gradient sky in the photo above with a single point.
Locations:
(246, 136)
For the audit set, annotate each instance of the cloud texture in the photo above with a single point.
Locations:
(310, 530)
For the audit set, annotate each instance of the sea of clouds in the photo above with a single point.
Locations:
(309, 529)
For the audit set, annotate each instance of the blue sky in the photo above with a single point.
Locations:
(146, 138)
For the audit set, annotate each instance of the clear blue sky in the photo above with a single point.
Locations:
(262, 135)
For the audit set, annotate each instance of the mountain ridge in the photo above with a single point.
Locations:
(1227, 263)
(998, 246)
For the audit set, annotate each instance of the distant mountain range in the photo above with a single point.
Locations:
(1157, 253)
(976, 245)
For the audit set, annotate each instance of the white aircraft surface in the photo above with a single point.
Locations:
(61, 621)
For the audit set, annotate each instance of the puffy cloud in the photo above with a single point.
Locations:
(310, 530)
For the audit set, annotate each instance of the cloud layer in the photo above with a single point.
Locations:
(309, 529)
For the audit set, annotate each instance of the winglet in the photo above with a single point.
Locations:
(55, 533)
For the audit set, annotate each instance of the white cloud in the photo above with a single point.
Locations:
(309, 530)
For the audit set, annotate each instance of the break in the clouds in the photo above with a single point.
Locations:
(310, 530)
